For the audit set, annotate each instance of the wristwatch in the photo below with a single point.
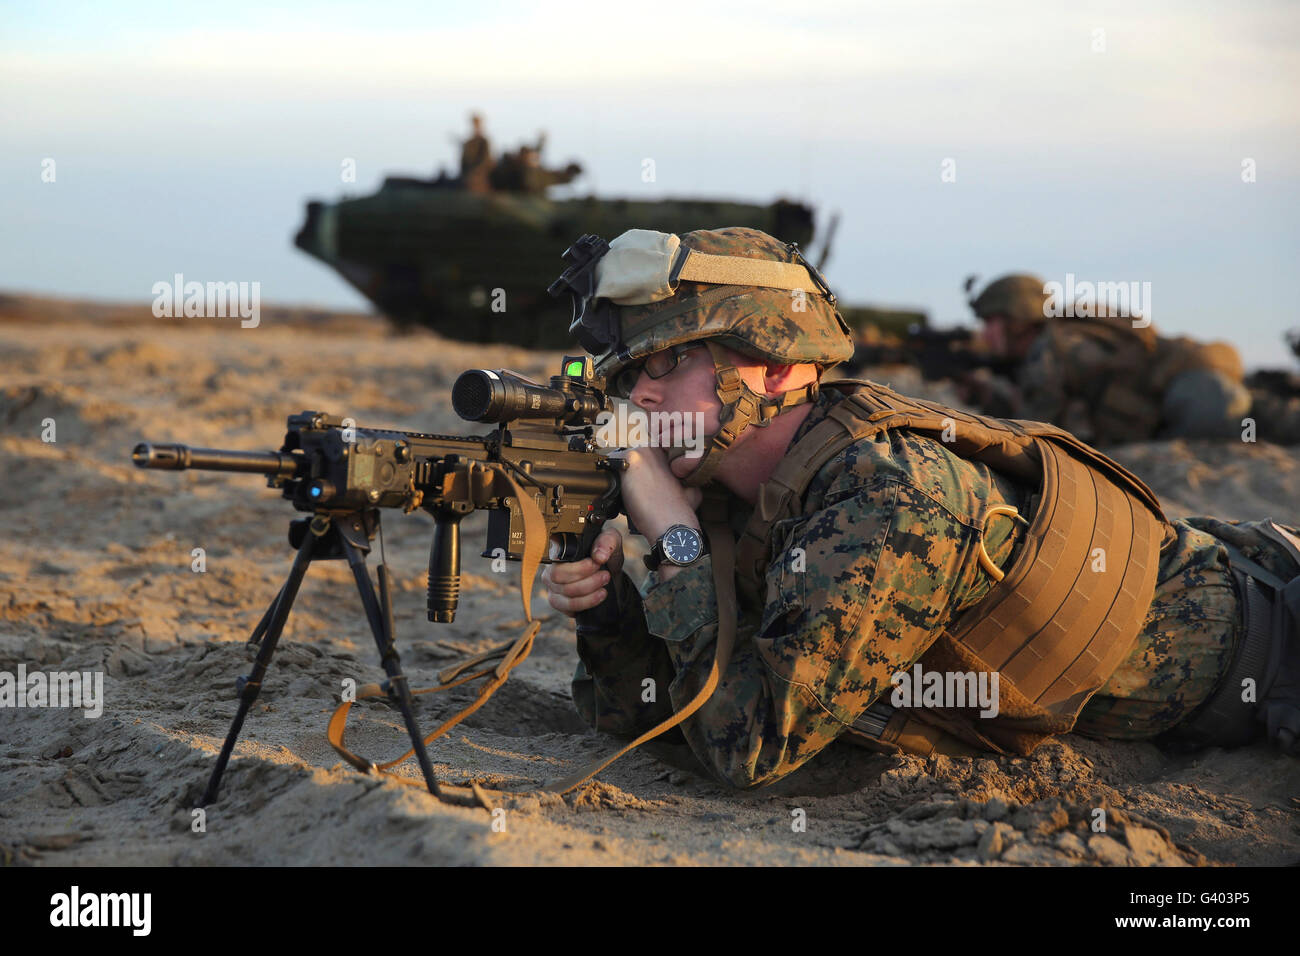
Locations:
(680, 545)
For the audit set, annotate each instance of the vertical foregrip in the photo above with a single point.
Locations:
(444, 568)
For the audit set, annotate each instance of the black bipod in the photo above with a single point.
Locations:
(322, 538)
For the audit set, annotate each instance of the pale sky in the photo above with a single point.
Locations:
(188, 140)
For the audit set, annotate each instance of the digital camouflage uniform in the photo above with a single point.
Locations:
(1108, 382)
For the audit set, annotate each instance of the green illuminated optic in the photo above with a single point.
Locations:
(573, 370)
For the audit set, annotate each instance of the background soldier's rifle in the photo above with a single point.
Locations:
(539, 474)
(936, 353)
(1281, 382)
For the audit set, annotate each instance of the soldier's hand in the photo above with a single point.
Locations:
(653, 496)
(573, 586)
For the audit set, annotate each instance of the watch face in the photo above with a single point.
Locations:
(682, 545)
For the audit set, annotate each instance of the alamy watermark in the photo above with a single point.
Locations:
(211, 300)
(75, 908)
(1130, 300)
(949, 689)
(629, 427)
(55, 689)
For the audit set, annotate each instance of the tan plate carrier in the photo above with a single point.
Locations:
(1052, 628)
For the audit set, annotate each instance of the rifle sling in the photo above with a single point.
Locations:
(722, 546)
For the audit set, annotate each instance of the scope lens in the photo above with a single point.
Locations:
(473, 395)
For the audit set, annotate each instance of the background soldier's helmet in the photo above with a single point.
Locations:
(1019, 297)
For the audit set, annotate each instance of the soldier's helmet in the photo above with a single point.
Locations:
(736, 287)
(751, 292)
(1019, 297)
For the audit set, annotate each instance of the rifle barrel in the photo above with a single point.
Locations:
(181, 457)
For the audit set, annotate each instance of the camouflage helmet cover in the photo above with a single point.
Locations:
(770, 324)
(1019, 297)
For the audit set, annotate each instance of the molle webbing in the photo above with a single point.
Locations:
(1053, 626)
(1056, 626)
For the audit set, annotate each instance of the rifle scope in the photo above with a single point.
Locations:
(482, 395)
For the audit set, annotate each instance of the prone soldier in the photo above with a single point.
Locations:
(1110, 379)
(835, 534)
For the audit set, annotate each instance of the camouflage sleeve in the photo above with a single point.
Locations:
(992, 394)
(855, 592)
(617, 656)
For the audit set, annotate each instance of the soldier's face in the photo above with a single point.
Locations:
(994, 334)
(690, 388)
(1008, 338)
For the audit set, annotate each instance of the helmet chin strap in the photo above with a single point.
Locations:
(741, 407)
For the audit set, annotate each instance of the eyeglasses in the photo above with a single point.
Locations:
(656, 366)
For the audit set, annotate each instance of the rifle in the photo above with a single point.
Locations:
(1281, 382)
(935, 353)
(539, 474)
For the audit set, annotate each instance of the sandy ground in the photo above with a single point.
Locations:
(95, 574)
